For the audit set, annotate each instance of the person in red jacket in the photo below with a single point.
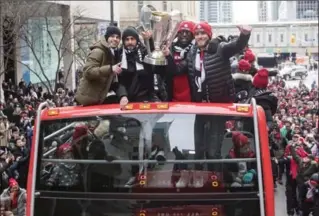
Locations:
(178, 86)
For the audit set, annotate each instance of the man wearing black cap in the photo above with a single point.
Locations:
(136, 77)
(101, 70)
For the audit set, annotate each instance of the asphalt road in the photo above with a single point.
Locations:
(312, 76)
(280, 201)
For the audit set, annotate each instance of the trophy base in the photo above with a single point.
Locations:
(156, 58)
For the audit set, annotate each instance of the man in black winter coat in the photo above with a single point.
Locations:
(209, 74)
(136, 76)
(264, 98)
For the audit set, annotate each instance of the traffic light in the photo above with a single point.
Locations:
(293, 39)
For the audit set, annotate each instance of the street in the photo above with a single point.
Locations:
(312, 76)
(280, 201)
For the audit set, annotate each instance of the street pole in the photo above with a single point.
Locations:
(112, 12)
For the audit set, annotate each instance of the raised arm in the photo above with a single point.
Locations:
(234, 47)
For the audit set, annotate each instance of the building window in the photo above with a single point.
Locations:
(164, 5)
(281, 38)
(139, 6)
(306, 37)
(269, 38)
(258, 38)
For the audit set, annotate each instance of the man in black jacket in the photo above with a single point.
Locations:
(136, 76)
(264, 98)
(209, 73)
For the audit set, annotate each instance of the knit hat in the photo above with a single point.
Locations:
(249, 56)
(63, 149)
(186, 25)
(79, 132)
(112, 30)
(13, 183)
(261, 78)
(244, 66)
(204, 26)
(130, 31)
(239, 139)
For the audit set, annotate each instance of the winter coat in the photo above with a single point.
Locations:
(218, 85)
(139, 84)
(305, 171)
(22, 200)
(4, 128)
(98, 78)
(242, 82)
(65, 176)
(267, 101)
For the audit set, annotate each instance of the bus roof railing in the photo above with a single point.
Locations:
(258, 157)
(150, 161)
(59, 131)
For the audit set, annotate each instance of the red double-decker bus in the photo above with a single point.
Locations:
(151, 159)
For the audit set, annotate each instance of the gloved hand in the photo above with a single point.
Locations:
(248, 177)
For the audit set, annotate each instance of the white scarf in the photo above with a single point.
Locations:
(124, 63)
(199, 66)
(310, 191)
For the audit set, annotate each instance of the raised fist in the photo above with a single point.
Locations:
(244, 29)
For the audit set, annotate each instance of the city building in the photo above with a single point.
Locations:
(307, 10)
(297, 10)
(216, 11)
(263, 8)
(299, 37)
(274, 10)
(131, 17)
(66, 27)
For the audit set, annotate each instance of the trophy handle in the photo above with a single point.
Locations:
(145, 23)
(175, 20)
(141, 29)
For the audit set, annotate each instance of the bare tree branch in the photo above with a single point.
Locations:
(37, 29)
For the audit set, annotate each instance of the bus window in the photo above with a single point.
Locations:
(157, 164)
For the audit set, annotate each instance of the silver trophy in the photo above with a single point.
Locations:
(164, 27)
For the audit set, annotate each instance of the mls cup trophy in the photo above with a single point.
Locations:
(164, 27)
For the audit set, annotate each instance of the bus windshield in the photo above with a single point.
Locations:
(157, 164)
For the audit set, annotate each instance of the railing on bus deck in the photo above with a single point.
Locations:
(258, 157)
(149, 161)
(54, 134)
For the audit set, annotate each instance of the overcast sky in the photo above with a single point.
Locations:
(245, 11)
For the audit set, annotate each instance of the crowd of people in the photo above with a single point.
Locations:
(200, 68)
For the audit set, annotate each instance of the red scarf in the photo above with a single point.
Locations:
(14, 199)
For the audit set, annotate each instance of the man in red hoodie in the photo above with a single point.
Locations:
(178, 86)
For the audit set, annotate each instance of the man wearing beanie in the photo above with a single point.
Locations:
(242, 80)
(250, 57)
(264, 98)
(177, 84)
(209, 74)
(101, 70)
(136, 77)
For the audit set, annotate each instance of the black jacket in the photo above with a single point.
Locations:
(243, 82)
(267, 101)
(218, 85)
